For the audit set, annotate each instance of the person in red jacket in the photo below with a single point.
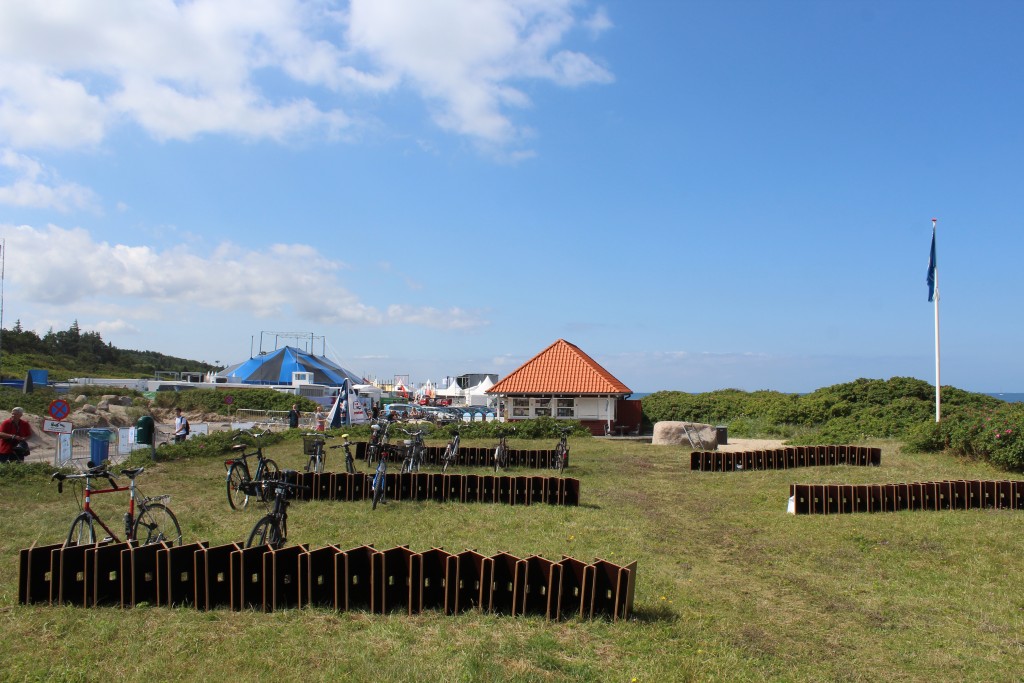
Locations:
(14, 435)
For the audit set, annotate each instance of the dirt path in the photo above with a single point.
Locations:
(739, 445)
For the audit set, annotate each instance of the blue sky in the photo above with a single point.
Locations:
(700, 195)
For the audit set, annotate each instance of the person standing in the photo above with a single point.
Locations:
(181, 426)
(293, 416)
(321, 419)
(15, 432)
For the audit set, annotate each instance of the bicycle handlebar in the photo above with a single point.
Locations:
(250, 433)
(91, 473)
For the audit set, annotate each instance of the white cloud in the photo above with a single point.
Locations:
(70, 70)
(598, 22)
(35, 186)
(70, 270)
(462, 55)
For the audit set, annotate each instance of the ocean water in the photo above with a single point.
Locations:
(1010, 398)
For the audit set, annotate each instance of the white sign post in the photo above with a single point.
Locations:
(57, 427)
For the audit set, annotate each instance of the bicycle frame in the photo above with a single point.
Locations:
(88, 492)
(243, 460)
(414, 448)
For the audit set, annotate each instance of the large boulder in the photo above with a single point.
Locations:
(674, 434)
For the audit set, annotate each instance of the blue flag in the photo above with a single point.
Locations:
(931, 269)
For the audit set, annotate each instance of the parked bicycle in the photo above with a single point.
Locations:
(377, 485)
(313, 446)
(378, 440)
(561, 459)
(350, 463)
(451, 452)
(501, 451)
(154, 523)
(414, 448)
(272, 528)
(238, 468)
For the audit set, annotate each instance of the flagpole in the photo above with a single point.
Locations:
(938, 383)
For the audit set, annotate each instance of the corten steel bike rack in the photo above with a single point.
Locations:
(786, 458)
(176, 574)
(395, 580)
(834, 499)
(213, 575)
(469, 456)
(423, 486)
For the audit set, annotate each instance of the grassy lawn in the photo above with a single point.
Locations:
(729, 586)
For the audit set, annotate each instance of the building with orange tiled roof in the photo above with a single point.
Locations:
(565, 383)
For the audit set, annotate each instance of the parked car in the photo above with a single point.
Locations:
(439, 415)
(401, 411)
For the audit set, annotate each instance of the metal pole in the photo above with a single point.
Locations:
(938, 383)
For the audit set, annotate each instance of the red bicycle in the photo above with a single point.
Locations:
(155, 522)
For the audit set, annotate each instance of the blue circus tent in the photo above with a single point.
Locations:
(276, 368)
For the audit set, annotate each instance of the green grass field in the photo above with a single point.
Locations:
(729, 587)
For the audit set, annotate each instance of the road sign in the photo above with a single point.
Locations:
(57, 427)
(59, 409)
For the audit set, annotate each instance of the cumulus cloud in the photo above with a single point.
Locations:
(463, 55)
(32, 185)
(71, 70)
(70, 269)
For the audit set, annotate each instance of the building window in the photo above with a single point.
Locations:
(542, 407)
(566, 407)
(520, 407)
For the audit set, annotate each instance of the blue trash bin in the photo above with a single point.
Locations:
(99, 446)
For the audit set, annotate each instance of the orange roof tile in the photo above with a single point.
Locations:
(560, 369)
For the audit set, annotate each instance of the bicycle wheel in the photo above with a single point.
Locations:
(446, 459)
(266, 532)
(237, 497)
(270, 473)
(371, 455)
(318, 462)
(270, 470)
(156, 523)
(499, 454)
(378, 491)
(560, 459)
(350, 466)
(81, 532)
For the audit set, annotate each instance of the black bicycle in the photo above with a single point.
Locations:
(350, 463)
(451, 451)
(378, 441)
(313, 446)
(501, 451)
(238, 469)
(377, 485)
(413, 451)
(561, 459)
(272, 528)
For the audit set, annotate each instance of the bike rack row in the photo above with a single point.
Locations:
(470, 456)
(461, 488)
(361, 578)
(785, 458)
(834, 499)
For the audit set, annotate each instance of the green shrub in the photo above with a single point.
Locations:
(213, 445)
(973, 425)
(216, 400)
(925, 437)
